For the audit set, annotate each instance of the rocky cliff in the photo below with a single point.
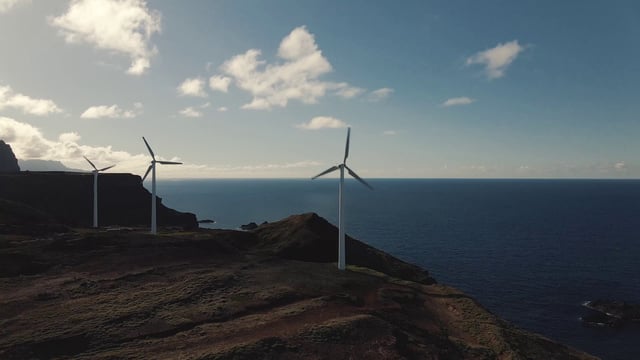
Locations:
(8, 161)
(68, 198)
(223, 294)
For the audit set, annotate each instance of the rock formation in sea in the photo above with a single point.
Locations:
(611, 313)
(8, 161)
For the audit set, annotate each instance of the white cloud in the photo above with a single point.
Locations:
(296, 77)
(497, 59)
(6, 5)
(222, 109)
(27, 104)
(28, 142)
(620, 166)
(192, 87)
(322, 122)
(190, 112)
(390, 132)
(346, 91)
(113, 112)
(219, 83)
(458, 101)
(380, 94)
(121, 26)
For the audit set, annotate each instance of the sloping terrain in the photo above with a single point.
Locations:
(218, 294)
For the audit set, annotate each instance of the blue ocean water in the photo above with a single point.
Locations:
(531, 251)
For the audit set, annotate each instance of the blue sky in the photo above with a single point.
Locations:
(491, 89)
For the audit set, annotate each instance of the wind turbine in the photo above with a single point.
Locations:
(154, 225)
(341, 167)
(95, 172)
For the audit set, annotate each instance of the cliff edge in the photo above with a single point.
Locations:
(68, 198)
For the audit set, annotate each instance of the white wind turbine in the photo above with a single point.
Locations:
(152, 167)
(95, 172)
(341, 167)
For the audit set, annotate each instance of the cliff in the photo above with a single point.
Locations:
(223, 294)
(8, 161)
(68, 198)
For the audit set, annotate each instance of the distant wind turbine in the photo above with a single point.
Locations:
(95, 172)
(341, 167)
(152, 167)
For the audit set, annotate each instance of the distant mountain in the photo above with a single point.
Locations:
(43, 165)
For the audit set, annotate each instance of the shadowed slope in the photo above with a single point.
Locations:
(308, 237)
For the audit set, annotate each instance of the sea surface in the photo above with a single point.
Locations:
(531, 251)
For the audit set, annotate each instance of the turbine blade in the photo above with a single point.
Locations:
(147, 173)
(169, 162)
(346, 149)
(352, 173)
(107, 168)
(333, 168)
(93, 166)
(149, 147)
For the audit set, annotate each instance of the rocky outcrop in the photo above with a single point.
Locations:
(308, 237)
(611, 313)
(249, 226)
(8, 161)
(68, 198)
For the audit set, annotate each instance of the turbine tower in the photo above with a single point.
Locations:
(152, 167)
(95, 172)
(341, 167)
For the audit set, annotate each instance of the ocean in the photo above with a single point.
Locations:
(531, 251)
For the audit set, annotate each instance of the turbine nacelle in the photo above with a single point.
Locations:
(344, 165)
(95, 169)
(154, 161)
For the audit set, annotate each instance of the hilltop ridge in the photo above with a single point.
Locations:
(272, 293)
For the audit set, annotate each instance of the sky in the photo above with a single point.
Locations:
(266, 89)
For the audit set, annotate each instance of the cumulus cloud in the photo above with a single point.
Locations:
(192, 87)
(390, 132)
(121, 26)
(27, 104)
(219, 83)
(620, 166)
(496, 60)
(6, 5)
(322, 122)
(28, 142)
(295, 77)
(222, 109)
(113, 112)
(380, 94)
(190, 112)
(458, 101)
